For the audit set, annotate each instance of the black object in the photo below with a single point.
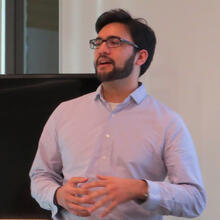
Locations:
(26, 102)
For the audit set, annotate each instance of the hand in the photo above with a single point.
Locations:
(70, 197)
(114, 191)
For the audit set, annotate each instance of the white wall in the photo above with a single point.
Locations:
(184, 74)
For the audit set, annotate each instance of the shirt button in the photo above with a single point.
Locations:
(107, 135)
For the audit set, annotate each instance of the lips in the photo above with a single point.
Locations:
(104, 61)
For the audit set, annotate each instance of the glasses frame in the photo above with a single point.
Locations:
(121, 40)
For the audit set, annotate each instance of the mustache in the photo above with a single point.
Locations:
(106, 58)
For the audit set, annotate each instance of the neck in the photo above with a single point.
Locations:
(118, 90)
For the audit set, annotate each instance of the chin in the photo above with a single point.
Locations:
(103, 76)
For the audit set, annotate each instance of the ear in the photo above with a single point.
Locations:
(142, 56)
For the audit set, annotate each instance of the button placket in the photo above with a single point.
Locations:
(106, 149)
(107, 135)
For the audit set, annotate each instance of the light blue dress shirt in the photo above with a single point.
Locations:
(141, 138)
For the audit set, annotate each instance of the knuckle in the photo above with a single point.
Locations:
(82, 191)
(75, 200)
(111, 187)
(83, 199)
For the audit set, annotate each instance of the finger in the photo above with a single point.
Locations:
(109, 209)
(103, 177)
(79, 213)
(100, 203)
(93, 185)
(78, 207)
(82, 214)
(76, 180)
(85, 200)
(78, 210)
(78, 191)
(96, 194)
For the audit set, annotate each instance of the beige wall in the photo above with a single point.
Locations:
(184, 74)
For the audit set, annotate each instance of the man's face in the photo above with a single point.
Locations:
(114, 63)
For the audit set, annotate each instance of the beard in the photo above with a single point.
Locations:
(116, 73)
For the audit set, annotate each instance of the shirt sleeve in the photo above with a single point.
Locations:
(183, 193)
(45, 173)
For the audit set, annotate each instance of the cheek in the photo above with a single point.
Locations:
(96, 55)
(120, 62)
(122, 57)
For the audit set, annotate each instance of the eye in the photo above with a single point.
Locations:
(98, 42)
(114, 42)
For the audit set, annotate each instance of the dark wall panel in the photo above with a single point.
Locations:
(25, 104)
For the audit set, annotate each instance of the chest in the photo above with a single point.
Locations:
(114, 145)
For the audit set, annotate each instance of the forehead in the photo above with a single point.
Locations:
(115, 29)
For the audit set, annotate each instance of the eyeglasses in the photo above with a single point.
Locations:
(111, 42)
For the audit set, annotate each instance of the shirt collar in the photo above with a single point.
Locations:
(138, 95)
(98, 93)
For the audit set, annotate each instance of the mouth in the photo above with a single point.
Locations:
(103, 64)
(102, 61)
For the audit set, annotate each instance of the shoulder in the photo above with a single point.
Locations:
(173, 126)
(70, 107)
(160, 110)
(81, 100)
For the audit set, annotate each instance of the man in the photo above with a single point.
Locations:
(107, 154)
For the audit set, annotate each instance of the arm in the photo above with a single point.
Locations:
(184, 194)
(46, 169)
(46, 175)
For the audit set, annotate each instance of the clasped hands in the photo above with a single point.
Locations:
(107, 190)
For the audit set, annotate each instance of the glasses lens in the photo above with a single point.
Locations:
(98, 42)
(95, 43)
(92, 44)
(113, 42)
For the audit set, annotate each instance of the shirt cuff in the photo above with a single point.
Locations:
(154, 195)
(54, 207)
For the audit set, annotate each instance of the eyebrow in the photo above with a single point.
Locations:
(108, 37)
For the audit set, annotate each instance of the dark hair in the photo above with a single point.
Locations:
(141, 33)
